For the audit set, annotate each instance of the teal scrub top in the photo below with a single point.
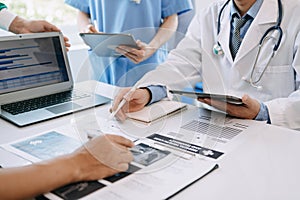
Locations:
(2, 5)
(142, 20)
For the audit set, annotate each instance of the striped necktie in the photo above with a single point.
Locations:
(236, 39)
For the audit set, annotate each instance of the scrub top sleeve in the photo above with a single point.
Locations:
(82, 5)
(170, 7)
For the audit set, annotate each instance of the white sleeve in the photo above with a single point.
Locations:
(6, 19)
(183, 65)
(285, 111)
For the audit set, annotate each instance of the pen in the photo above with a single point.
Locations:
(214, 168)
(111, 116)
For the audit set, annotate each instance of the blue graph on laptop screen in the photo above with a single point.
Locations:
(30, 63)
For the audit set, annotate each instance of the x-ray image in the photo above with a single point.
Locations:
(145, 155)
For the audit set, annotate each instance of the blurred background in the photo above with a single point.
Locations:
(64, 16)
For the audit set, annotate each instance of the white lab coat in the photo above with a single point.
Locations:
(193, 60)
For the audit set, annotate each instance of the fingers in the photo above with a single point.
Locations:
(90, 28)
(126, 157)
(201, 100)
(134, 101)
(123, 167)
(93, 29)
(252, 105)
(120, 140)
(47, 26)
(248, 110)
(121, 115)
(218, 104)
(119, 98)
(66, 39)
(140, 44)
(126, 95)
(135, 55)
(108, 154)
(67, 44)
(247, 100)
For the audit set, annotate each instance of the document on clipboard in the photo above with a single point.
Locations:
(104, 44)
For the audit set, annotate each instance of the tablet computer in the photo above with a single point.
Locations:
(104, 44)
(219, 97)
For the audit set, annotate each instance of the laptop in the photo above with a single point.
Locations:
(36, 83)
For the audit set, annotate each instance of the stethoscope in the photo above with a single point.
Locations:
(217, 49)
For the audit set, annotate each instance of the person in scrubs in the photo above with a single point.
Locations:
(152, 23)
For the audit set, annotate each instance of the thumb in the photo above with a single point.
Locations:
(140, 44)
(121, 140)
(93, 29)
(248, 101)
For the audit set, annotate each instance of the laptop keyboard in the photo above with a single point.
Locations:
(42, 102)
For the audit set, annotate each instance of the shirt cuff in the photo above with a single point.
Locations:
(263, 114)
(157, 93)
(6, 19)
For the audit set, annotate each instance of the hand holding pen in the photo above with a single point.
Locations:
(129, 100)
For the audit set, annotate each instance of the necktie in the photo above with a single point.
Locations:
(236, 38)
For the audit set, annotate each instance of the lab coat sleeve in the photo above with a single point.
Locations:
(183, 65)
(6, 18)
(286, 111)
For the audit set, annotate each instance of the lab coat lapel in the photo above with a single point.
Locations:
(266, 17)
(224, 34)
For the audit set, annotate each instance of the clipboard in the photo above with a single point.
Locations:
(225, 98)
(104, 44)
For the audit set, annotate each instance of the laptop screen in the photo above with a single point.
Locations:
(32, 62)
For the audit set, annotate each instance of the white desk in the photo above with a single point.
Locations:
(266, 166)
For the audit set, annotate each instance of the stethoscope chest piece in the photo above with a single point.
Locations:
(218, 50)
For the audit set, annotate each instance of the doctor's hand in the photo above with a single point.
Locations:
(248, 110)
(135, 101)
(101, 157)
(137, 55)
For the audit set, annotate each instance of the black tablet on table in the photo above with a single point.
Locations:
(226, 98)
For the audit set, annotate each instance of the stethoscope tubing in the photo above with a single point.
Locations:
(277, 27)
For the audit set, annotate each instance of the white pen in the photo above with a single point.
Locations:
(111, 116)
